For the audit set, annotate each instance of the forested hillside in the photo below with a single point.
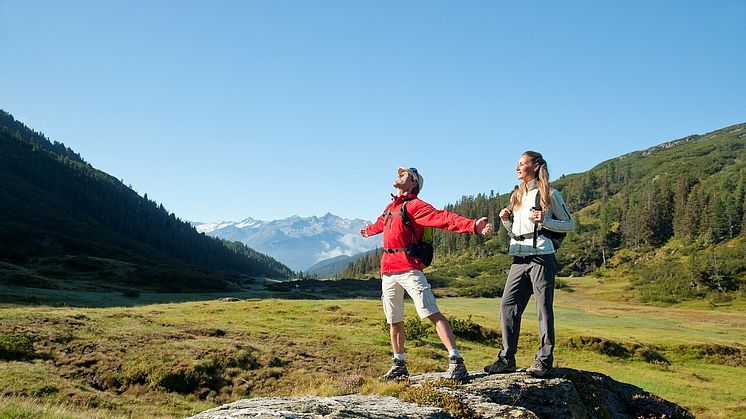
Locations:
(672, 217)
(58, 211)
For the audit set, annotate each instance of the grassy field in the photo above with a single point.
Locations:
(176, 359)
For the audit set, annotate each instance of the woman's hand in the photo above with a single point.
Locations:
(537, 216)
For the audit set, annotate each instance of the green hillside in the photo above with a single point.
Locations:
(65, 224)
(670, 217)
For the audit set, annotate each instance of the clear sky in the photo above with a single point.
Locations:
(223, 110)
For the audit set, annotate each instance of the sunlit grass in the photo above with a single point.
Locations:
(176, 359)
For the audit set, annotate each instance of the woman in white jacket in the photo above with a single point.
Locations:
(534, 264)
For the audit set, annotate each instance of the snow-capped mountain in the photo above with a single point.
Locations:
(297, 242)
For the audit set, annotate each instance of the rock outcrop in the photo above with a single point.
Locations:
(565, 393)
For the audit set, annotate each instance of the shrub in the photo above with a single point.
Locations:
(600, 345)
(414, 328)
(467, 329)
(561, 284)
(183, 378)
(16, 346)
(650, 355)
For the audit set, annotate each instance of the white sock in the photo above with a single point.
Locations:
(454, 352)
(400, 357)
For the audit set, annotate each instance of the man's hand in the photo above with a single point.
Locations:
(483, 227)
(505, 214)
(363, 232)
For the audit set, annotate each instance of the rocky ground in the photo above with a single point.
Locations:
(564, 393)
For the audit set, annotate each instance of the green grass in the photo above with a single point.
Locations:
(176, 359)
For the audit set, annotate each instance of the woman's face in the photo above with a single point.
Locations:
(525, 169)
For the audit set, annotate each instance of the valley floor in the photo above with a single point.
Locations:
(176, 359)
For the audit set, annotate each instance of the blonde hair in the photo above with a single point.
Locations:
(542, 182)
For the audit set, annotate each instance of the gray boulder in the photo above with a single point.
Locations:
(354, 406)
(564, 393)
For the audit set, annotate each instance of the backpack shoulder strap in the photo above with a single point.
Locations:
(407, 222)
(404, 217)
(538, 203)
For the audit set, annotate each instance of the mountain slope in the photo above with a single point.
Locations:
(55, 205)
(296, 241)
(332, 267)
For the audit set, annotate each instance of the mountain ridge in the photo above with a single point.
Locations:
(299, 242)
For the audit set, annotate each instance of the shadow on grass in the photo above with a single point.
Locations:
(88, 296)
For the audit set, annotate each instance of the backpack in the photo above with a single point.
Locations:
(554, 236)
(423, 249)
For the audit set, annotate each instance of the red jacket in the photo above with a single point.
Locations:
(396, 235)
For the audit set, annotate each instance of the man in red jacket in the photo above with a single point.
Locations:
(402, 271)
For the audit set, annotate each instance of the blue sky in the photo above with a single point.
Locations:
(224, 110)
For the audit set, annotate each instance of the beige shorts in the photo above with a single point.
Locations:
(416, 285)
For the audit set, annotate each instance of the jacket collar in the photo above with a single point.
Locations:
(397, 199)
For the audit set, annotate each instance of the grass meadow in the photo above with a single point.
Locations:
(176, 359)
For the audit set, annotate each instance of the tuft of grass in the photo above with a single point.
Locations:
(428, 394)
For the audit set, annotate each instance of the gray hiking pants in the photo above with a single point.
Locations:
(529, 274)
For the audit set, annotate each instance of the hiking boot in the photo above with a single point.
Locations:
(398, 371)
(538, 369)
(456, 369)
(501, 366)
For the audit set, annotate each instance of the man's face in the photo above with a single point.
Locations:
(525, 169)
(405, 181)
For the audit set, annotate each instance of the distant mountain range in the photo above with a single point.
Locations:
(298, 242)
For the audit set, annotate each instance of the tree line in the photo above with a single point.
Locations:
(691, 191)
(79, 192)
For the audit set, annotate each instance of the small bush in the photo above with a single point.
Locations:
(16, 346)
(561, 284)
(600, 345)
(467, 329)
(717, 354)
(414, 328)
(651, 355)
(718, 297)
(183, 378)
